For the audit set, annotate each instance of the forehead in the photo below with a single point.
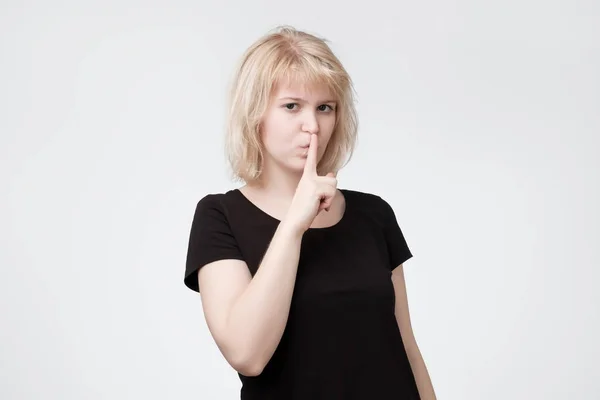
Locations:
(305, 91)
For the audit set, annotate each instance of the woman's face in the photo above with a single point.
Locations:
(294, 113)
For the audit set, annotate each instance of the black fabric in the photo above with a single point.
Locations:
(341, 340)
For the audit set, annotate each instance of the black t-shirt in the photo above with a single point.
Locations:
(342, 340)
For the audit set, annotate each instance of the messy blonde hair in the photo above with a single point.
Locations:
(291, 56)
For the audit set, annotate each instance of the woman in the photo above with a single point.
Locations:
(301, 282)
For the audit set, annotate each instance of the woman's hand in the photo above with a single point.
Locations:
(313, 194)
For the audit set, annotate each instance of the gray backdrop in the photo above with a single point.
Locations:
(479, 124)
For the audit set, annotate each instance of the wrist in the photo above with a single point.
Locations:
(291, 230)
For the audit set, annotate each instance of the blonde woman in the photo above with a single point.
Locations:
(301, 282)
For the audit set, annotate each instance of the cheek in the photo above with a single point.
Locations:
(268, 129)
(274, 137)
(327, 128)
(277, 129)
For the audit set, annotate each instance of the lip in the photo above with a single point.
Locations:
(303, 150)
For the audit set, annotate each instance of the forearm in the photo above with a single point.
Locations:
(420, 372)
(259, 316)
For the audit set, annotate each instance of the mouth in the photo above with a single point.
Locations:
(304, 151)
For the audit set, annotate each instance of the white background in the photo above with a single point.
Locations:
(479, 124)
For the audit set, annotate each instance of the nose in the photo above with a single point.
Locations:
(310, 123)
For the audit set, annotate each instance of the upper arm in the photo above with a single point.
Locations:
(397, 248)
(401, 307)
(221, 283)
(215, 266)
(399, 252)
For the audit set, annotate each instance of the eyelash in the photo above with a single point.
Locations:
(295, 104)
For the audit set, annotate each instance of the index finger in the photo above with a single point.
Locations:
(310, 167)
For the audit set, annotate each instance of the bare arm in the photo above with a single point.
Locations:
(247, 316)
(415, 358)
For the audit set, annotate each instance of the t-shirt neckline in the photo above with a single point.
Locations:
(277, 221)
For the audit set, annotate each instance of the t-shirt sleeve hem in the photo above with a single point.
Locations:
(190, 278)
(400, 260)
(211, 239)
(398, 249)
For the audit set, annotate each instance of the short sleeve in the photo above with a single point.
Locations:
(398, 249)
(211, 239)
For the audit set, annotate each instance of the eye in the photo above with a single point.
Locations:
(325, 107)
(290, 106)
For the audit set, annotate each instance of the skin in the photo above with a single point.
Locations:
(415, 357)
(247, 316)
(295, 114)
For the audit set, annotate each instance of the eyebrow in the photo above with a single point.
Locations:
(304, 101)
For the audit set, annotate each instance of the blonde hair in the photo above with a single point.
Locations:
(292, 56)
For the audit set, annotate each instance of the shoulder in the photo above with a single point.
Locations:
(216, 202)
(218, 210)
(213, 216)
(372, 201)
(370, 204)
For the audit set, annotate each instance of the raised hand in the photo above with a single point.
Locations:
(313, 194)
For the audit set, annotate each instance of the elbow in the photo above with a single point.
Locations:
(244, 359)
(249, 369)
(243, 355)
(247, 366)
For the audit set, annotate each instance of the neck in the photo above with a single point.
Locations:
(278, 182)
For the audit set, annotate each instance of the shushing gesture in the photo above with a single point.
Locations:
(313, 194)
